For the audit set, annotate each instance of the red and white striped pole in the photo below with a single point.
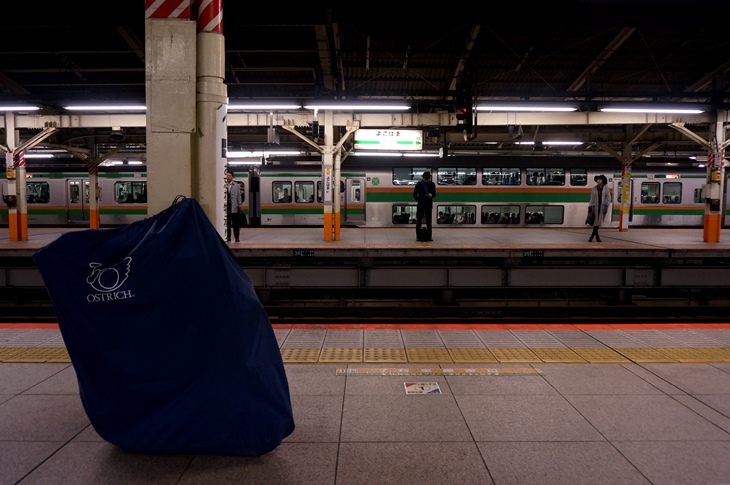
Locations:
(208, 15)
(167, 9)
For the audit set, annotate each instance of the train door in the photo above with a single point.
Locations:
(352, 210)
(76, 200)
(616, 215)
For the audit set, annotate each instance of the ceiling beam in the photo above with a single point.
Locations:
(601, 58)
(463, 60)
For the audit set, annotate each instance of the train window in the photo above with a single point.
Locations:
(281, 192)
(501, 176)
(500, 214)
(304, 192)
(544, 214)
(578, 176)
(456, 176)
(74, 191)
(672, 193)
(37, 192)
(404, 214)
(650, 192)
(86, 192)
(130, 192)
(408, 175)
(456, 214)
(545, 176)
(319, 192)
(699, 199)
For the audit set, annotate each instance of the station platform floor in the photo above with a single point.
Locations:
(486, 242)
(412, 404)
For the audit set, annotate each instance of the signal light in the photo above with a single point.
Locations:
(464, 108)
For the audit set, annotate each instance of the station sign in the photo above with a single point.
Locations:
(387, 139)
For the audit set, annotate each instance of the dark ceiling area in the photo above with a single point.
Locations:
(58, 53)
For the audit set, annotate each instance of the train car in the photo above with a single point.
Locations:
(472, 192)
(60, 197)
(495, 192)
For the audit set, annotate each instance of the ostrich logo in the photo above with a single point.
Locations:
(111, 278)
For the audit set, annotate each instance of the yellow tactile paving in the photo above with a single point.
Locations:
(601, 356)
(645, 355)
(394, 355)
(690, 355)
(477, 356)
(520, 354)
(39, 354)
(437, 371)
(558, 355)
(725, 352)
(716, 354)
(300, 356)
(428, 355)
(337, 355)
(444, 355)
(8, 352)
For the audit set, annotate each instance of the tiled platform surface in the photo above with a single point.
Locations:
(278, 241)
(538, 422)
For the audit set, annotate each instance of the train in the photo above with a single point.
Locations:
(472, 192)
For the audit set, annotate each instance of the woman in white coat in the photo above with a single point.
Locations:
(600, 204)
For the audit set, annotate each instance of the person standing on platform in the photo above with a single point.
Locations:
(424, 193)
(600, 204)
(233, 202)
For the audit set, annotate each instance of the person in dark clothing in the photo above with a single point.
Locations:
(424, 192)
(600, 204)
(233, 202)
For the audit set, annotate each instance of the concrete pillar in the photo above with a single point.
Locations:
(15, 225)
(22, 207)
(625, 195)
(328, 175)
(210, 138)
(94, 194)
(715, 186)
(337, 196)
(170, 47)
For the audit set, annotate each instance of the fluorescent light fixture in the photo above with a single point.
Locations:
(525, 107)
(263, 153)
(421, 154)
(125, 162)
(262, 106)
(37, 155)
(353, 106)
(377, 154)
(18, 108)
(619, 109)
(250, 161)
(551, 143)
(107, 107)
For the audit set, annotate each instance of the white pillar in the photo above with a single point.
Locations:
(210, 140)
(170, 89)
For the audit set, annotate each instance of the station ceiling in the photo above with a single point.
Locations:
(585, 52)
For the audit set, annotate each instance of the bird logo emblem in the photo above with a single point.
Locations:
(110, 278)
